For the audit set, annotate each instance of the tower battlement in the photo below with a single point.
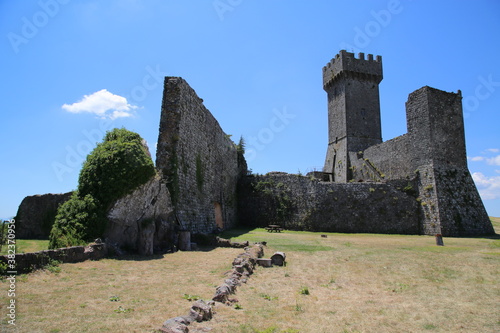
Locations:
(345, 64)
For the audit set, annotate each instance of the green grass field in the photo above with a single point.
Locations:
(28, 245)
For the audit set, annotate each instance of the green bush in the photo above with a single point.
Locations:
(112, 170)
(115, 167)
(77, 221)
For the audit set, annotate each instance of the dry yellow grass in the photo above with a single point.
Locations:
(356, 283)
(370, 283)
(79, 298)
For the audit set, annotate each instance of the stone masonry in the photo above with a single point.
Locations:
(36, 215)
(353, 109)
(417, 183)
(197, 160)
(432, 154)
(305, 203)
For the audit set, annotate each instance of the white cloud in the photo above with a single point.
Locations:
(103, 104)
(494, 160)
(476, 158)
(489, 187)
(493, 150)
(490, 160)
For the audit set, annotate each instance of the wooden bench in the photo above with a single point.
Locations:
(274, 227)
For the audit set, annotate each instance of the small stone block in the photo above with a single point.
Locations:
(264, 262)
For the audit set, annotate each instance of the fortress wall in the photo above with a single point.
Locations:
(461, 210)
(36, 215)
(435, 120)
(27, 262)
(435, 136)
(199, 162)
(300, 203)
(452, 206)
(387, 160)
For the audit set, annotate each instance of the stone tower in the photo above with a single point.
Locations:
(451, 204)
(353, 110)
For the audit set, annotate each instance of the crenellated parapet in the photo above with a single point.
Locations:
(345, 64)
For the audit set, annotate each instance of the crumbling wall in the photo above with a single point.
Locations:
(388, 160)
(36, 215)
(141, 221)
(301, 203)
(461, 210)
(198, 161)
(26, 262)
(432, 153)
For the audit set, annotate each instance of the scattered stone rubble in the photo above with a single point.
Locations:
(243, 266)
(222, 242)
(200, 311)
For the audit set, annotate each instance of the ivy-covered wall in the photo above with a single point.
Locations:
(198, 161)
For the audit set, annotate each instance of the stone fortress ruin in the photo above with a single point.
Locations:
(431, 156)
(417, 183)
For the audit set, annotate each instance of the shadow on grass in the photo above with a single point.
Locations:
(236, 232)
(156, 256)
(138, 257)
(495, 236)
(205, 243)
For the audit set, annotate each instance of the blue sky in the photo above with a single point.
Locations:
(73, 69)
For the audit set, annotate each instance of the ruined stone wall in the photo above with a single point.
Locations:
(26, 262)
(301, 203)
(432, 155)
(36, 215)
(141, 221)
(198, 161)
(435, 120)
(388, 160)
(461, 210)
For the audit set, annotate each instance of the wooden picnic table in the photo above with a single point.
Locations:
(274, 227)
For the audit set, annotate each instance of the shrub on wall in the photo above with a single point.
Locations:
(115, 167)
(112, 170)
(77, 219)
